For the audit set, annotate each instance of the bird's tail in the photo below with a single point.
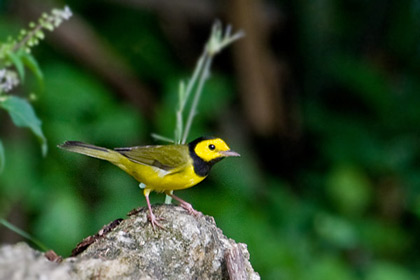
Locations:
(91, 150)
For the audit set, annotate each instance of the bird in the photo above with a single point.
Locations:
(162, 168)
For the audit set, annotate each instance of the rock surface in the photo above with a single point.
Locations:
(188, 248)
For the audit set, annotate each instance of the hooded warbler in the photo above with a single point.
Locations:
(162, 168)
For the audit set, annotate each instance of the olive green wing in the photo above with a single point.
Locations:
(165, 157)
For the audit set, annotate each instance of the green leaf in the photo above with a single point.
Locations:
(23, 115)
(2, 157)
(32, 64)
(17, 62)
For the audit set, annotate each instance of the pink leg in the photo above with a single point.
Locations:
(187, 206)
(152, 218)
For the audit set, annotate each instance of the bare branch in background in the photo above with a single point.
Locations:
(260, 76)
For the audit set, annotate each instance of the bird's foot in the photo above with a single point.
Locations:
(190, 209)
(185, 205)
(154, 221)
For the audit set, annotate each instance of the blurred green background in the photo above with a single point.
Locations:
(321, 98)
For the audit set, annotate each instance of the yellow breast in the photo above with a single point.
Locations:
(160, 180)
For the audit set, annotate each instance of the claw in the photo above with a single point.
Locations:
(154, 221)
(187, 206)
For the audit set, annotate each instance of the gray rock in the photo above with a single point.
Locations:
(20, 261)
(188, 248)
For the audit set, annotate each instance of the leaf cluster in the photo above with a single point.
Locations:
(15, 57)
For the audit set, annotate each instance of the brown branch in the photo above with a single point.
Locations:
(260, 77)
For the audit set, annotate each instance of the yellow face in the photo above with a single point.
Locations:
(211, 149)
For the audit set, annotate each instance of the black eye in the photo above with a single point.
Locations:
(212, 147)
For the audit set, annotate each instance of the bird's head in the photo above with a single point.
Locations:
(211, 149)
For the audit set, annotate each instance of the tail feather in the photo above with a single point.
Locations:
(90, 150)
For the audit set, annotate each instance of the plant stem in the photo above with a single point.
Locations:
(216, 42)
(197, 71)
(203, 77)
(162, 138)
(184, 96)
(23, 234)
(26, 38)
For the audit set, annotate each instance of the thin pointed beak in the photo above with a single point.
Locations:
(230, 153)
